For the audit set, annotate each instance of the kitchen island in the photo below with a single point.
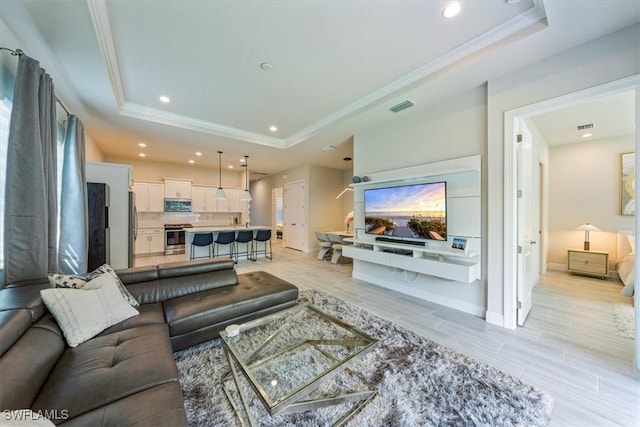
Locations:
(203, 251)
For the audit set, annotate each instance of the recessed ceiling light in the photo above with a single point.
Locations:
(192, 161)
(142, 155)
(165, 99)
(587, 135)
(230, 166)
(198, 153)
(142, 144)
(273, 128)
(328, 148)
(452, 9)
(266, 66)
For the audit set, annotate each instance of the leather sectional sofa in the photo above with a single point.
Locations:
(126, 375)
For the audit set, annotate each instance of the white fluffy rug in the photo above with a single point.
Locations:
(624, 319)
(420, 383)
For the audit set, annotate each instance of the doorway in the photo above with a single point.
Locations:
(294, 216)
(513, 264)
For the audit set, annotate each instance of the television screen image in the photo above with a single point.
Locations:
(417, 211)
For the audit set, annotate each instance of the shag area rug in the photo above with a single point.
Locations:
(419, 382)
(625, 320)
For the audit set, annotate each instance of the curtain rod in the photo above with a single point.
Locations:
(20, 52)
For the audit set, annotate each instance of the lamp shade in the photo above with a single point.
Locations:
(588, 227)
(220, 194)
(246, 195)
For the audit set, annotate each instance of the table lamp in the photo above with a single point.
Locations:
(587, 228)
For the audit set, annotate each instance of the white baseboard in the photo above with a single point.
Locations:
(494, 318)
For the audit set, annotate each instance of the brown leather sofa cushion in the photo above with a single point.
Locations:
(181, 268)
(26, 365)
(108, 368)
(159, 406)
(164, 289)
(13, 323)
(150, 314)
(26, 295)
(254, 292)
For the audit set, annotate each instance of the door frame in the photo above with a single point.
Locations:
(510, 187)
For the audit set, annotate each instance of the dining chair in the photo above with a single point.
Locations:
(325, 245)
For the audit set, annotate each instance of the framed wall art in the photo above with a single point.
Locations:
(628, 184)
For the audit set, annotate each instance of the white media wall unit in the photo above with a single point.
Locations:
(431, 269)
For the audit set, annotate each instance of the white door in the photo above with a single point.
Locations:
(294, 215)
(527, 232)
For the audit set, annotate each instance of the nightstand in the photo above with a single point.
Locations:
(592, 263)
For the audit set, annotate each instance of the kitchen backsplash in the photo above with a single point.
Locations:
(159, 219)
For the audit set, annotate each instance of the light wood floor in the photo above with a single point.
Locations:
(567, 347)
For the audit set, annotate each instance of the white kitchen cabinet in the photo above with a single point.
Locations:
(149, 196)
(203, 199)
(149, 241)
(231, 203)
(174, 189)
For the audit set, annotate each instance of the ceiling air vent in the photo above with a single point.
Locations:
(402, 106)
(587, 126)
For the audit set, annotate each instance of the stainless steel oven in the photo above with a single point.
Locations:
(174, 238)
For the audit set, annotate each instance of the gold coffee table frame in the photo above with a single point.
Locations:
(302, 335)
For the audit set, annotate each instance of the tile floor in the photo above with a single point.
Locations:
(568, 345)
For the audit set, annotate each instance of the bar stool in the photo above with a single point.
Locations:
(201, 239)
(263, 236)
(224, 238)
(244, 236)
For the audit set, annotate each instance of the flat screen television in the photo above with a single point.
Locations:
(410, 212)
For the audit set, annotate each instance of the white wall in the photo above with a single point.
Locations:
(456, 128)
(323, 210)
(155, 171)
(91, 151)
(604, 60)
(585, 187)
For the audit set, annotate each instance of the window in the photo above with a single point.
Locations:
(5, 115)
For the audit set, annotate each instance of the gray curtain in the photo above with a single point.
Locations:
(73, 245)
(30, 238)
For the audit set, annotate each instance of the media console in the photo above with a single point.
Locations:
(433, 261)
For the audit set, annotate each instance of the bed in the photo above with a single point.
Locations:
(626, 263)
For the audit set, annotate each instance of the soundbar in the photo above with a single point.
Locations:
(396, 240)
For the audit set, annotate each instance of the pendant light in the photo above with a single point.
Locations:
(246, 196)
(220, 192)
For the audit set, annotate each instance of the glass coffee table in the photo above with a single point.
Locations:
(289, 357)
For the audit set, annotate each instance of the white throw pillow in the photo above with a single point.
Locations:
(84, 313)
(79, 282)
(632, 242)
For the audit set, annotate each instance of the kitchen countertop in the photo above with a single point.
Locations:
(225, 228)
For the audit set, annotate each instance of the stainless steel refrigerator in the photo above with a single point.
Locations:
(120, 213)
(133, 226)
(99, 234)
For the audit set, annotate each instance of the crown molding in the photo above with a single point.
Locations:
(142, 112)
(500, 34)
(102, 27)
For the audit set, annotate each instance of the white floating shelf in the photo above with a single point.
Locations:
(439, 262)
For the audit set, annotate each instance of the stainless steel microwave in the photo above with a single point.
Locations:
(177, 205)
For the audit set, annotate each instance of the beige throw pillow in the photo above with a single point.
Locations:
(79, 282)
(84, 313)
